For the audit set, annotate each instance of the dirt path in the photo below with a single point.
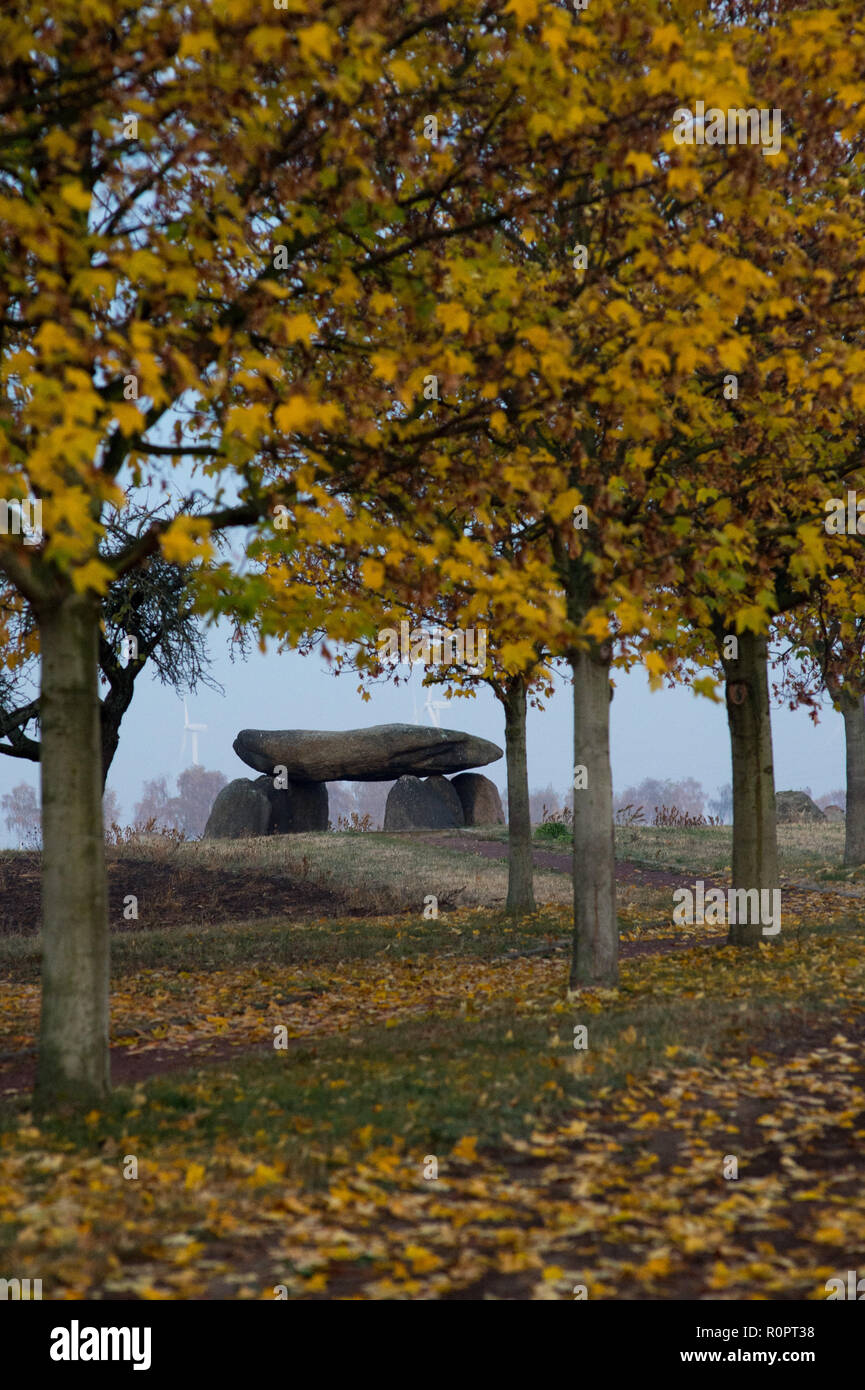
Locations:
(561, 861)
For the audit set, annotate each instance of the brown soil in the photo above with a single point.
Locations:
(170, 895)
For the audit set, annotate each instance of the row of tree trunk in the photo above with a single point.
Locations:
(755, 844)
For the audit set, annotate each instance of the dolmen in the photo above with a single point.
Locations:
(295, 765)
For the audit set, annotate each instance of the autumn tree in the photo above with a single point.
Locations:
(715, 379)
(823, 652)
(227, 232)
(147, 622)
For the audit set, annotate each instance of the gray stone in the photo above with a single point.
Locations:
(240, 809)
(296, 807)
(480, 799)
(445, 789)
(416, 805)
(796, 806)
(835, 813)
(377, 754)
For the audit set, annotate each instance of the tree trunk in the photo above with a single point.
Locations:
(853, 711)
(755, 844)
(73, 1044)
(595, 957)
(521, 893)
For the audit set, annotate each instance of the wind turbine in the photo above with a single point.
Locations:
(194, 730)
(434, 706)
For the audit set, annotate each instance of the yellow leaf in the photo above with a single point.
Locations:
(94, 575)
(300, 328)
(380, 301)
(454, 317)
(264, 1174)
(373, 574)
(385, 365)
(317, 40)
(294, 415)
(195, 1174)
(640, 162)
(186, 539)
(128, 417)
(666, 38)
(192, 45)
(422, 1260)
(525, 10)
(404, 73)
(466, 1148)
(76, 196)
(656, 666)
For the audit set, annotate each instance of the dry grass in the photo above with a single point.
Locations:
(810, 850)
(376, 872)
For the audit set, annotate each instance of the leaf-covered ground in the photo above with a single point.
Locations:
(415, 1047)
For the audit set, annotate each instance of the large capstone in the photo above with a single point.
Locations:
(378, 754)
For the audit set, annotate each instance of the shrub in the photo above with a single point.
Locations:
(353, 822)
(553, 830)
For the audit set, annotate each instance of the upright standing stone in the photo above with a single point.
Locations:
(416, 805)
(240, 809)
(446, 790)
(297, 807)
(480, 799)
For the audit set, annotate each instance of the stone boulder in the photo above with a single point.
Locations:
(416, 805)
(242, 808)
(835, 813)
(445, 789)
(377, 754)
(796, 806)
(297, 807)
(480, 799)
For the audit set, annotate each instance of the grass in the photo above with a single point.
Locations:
(379, 872)
(808, 851)
(412, 1037)
(274, 942)
(425, 1082)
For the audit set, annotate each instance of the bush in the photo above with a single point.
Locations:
(553, 830)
